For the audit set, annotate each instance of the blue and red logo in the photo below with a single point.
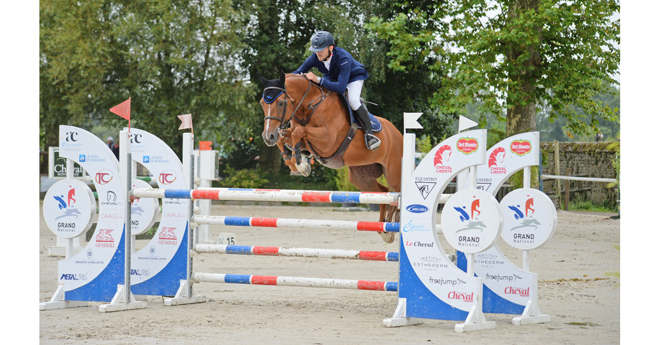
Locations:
(471, 218)
(68, 205)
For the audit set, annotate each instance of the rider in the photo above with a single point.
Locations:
(340, 72)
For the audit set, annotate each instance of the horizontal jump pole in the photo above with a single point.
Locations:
(243, 194)
(576, 178)
(294, 281)
(298, 252)
(296, 223)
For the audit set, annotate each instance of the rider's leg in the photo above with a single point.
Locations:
(354, 91)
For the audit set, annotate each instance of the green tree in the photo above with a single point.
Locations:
(278, 40)
(171, 57)
(508, 57)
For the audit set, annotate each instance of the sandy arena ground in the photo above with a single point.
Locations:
(576, 290)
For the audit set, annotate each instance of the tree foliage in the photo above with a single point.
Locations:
(509, 56)
(171, 57)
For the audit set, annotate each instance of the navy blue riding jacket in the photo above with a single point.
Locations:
(344, 69)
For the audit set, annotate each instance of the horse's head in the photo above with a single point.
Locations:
(275, 102)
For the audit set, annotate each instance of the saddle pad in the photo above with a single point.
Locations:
(376, 126)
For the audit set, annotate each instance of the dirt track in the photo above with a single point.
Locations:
(575, 290)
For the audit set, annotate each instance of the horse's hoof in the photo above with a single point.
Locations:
(304, 169)
(388, 237)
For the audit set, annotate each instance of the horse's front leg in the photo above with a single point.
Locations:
(286, 155)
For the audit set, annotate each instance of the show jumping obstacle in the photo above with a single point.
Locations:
(429, 286)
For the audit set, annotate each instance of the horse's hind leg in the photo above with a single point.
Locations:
(364, 177)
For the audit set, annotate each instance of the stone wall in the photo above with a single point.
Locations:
(584, 160)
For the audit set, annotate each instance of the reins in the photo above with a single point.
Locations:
(302, 121)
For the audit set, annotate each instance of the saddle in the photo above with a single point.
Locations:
(336, 161)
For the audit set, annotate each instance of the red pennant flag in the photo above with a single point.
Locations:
(123, 109)
(205, 145)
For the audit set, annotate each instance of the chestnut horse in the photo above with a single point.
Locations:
(319, 124)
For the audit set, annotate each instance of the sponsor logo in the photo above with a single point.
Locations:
(70, 139)
(70, 276)
(488, 259)
(429, 263)
(473, 222)
(174, 215)
(416, 208)
(111, 199)
(528, 222)
(467, 145)
(441, 159)
(167, 177)
(111, 216)
(136, 138)
(152, 250)
(442, 281)
(67, 205)
(410, 227)
(468, 241)
(465, 297)
(521, 147)
(155, 159)
(103, 177)
(104, 238)
(419, 244)
(167, 236)
(497, 277)
(174, 201)
(517, 291)
(71, 136)
(89, 253)
(425, 188)
(495, 161)
(140, 272)
(484, 183)
(91, 158)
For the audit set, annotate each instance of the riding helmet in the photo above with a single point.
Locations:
(321, 40)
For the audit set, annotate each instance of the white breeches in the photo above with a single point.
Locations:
(354, 90)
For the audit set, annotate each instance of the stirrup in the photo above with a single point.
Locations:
(371, 144)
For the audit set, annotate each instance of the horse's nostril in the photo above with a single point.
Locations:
(272, 137)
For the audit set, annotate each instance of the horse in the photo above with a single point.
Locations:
(319, 124)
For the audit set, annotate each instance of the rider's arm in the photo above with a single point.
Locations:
(344, 65)
(311, 62)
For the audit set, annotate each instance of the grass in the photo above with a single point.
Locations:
(588, 206)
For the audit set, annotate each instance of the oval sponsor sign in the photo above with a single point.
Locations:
(467, 145)
(521, 147)
(69, 208)
(144, 211)
(530, 218)
(471, 220)
(417, 208)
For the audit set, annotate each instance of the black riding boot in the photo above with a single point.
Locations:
(369, 138)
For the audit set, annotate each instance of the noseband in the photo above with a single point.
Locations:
(312, 105)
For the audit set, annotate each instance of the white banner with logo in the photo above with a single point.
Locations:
(421, 247)
(102, 260)
(507, 288)
(157, 268)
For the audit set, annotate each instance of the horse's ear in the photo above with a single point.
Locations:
(282, 78)
(263, 80)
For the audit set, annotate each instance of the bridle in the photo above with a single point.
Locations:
(302, 121)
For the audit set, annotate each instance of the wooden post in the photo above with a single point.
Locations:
(558, 182)
(567, 189)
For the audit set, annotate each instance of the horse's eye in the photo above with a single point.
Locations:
(280, 103)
